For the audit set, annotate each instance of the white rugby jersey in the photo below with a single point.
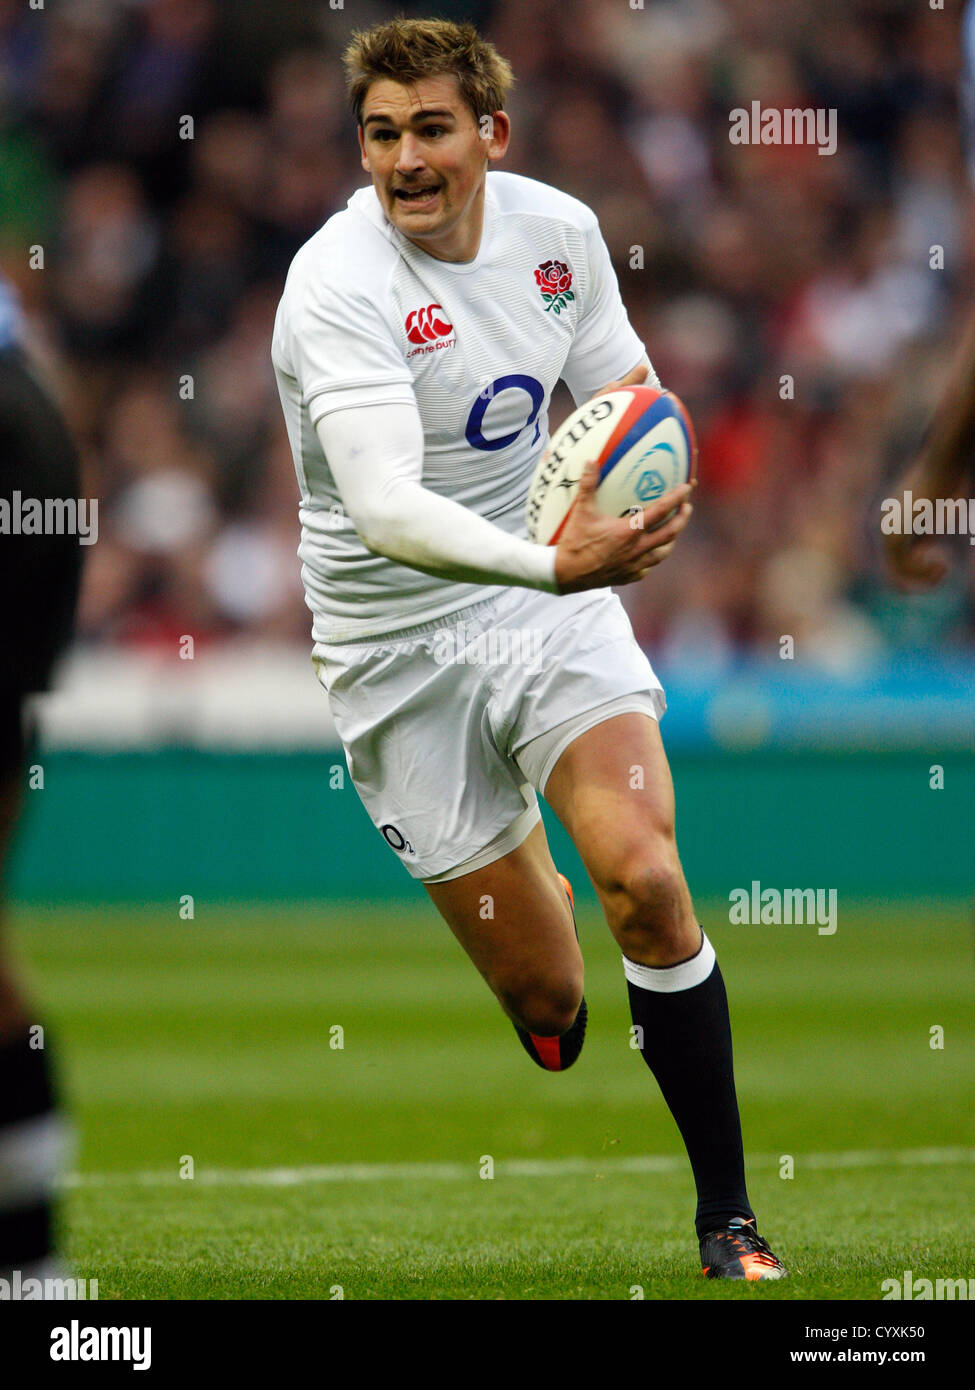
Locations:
(367, 317)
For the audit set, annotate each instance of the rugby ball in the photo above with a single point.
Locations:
(644, 442)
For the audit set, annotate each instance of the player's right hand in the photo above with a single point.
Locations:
(595, 551)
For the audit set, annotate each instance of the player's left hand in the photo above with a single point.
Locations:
(637, 377)
(596, 551)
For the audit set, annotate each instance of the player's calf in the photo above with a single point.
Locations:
(558, 1052)
(545, 1005)
(551, 1029)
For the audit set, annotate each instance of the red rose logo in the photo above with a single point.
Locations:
(554, 279)
(554, 276)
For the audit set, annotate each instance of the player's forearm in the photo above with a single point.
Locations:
(428, 532)
(376, 459)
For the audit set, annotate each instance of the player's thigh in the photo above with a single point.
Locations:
(513, 919)
(613, 791)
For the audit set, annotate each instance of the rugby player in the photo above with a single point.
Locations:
(415, 356)
(38, 591)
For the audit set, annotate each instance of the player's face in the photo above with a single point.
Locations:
(427, 156)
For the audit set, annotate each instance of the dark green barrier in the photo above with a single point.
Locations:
(158, 825)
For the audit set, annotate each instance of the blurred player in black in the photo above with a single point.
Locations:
(38, 591)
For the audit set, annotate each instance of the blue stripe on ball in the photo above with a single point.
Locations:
(662, 409)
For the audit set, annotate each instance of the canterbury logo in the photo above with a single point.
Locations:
(424, 325)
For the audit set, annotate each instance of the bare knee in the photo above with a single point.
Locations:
(649, 908)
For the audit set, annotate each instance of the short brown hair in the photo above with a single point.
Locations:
(407, 50)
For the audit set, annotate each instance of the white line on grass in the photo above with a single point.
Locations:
(515, 1168)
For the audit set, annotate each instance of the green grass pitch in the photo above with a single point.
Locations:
(215, 1039)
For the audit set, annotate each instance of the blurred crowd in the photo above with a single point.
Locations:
(170, 156)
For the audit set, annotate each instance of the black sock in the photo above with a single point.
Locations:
(682, 1012)
(31, 1143)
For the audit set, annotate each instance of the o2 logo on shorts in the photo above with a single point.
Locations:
(516, 381)
(396, 839)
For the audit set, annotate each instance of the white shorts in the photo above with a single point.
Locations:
(449, 728)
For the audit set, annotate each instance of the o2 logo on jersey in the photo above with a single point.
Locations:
(474, 433)
(426, 325)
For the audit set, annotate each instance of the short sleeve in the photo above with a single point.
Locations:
(340, 349)
(605, 346)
